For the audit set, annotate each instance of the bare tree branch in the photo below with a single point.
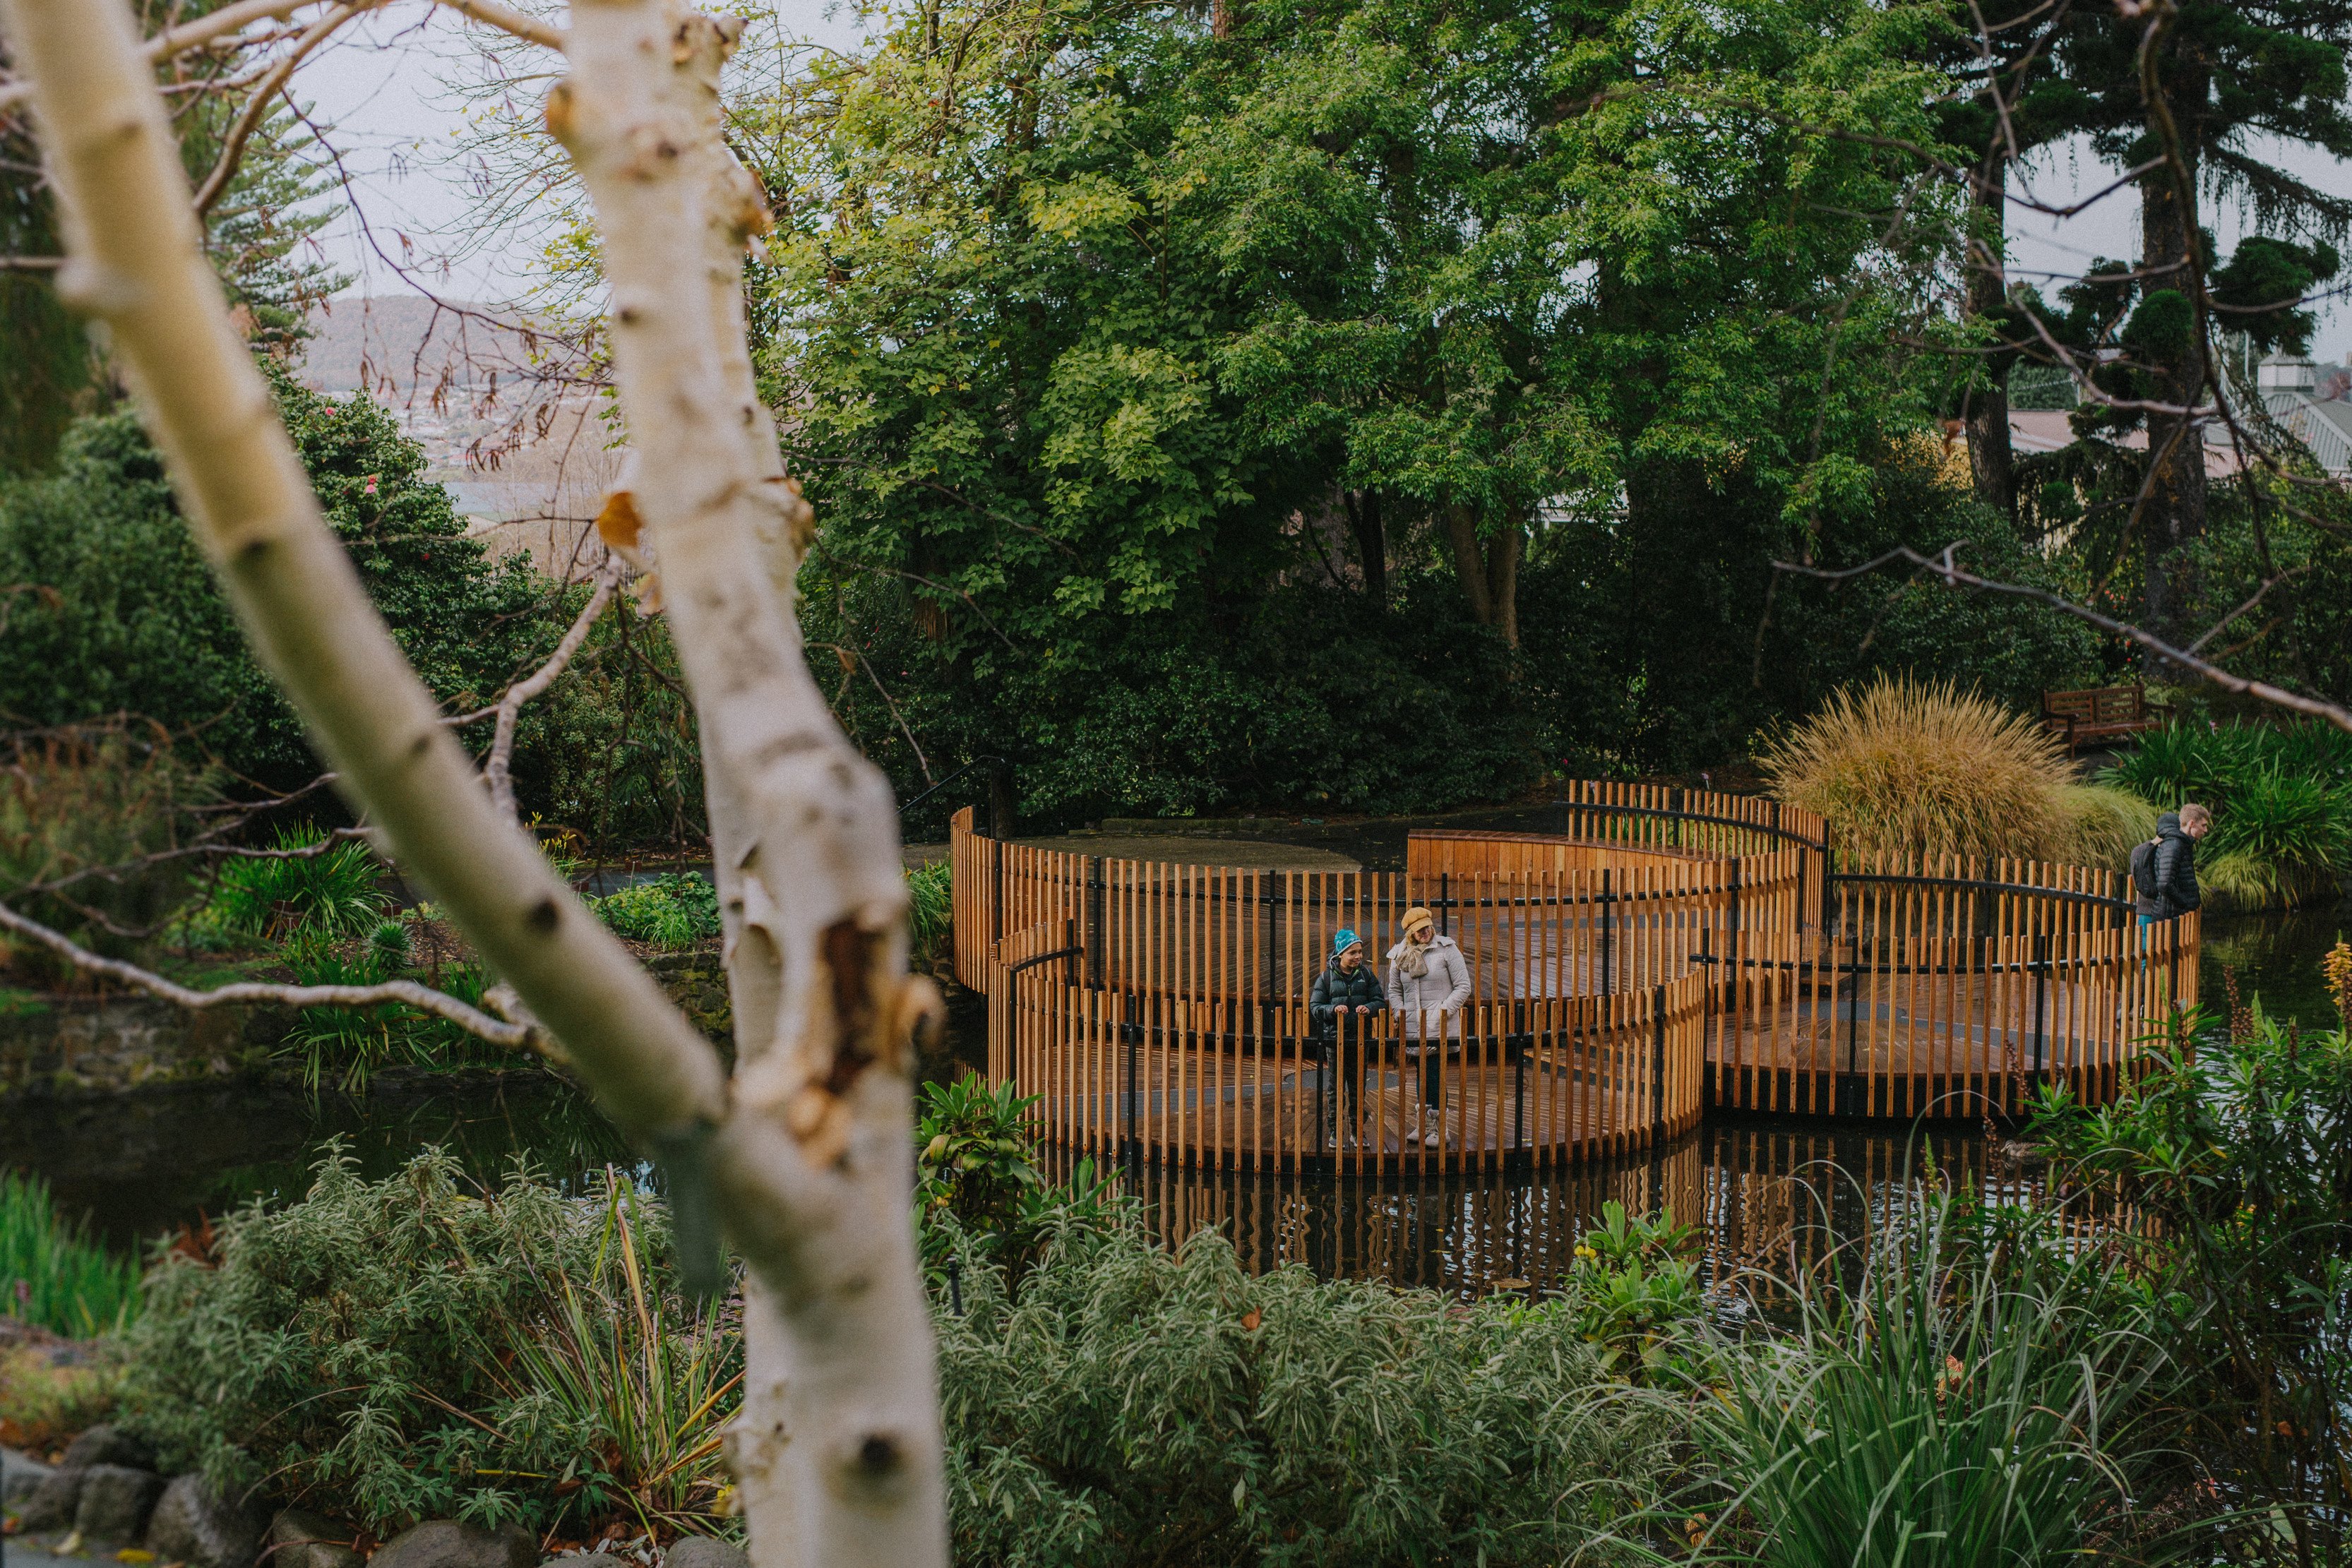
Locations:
(408, 993)
(256, 106)
(1941, 569)
(497, 770)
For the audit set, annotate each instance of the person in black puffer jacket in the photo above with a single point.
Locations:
(1346, 999)
(2171, 865)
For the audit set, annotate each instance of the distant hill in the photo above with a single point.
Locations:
(401, 345)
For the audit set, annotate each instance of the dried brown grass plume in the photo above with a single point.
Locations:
(1903, 767)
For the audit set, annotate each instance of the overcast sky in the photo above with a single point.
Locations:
(394, 125)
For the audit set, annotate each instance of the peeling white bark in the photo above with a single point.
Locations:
(837, 1453)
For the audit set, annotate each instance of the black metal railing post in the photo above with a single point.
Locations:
(1519, 1094)
(1094, 938)
(1130, 1149)
(2040, 1003)
(1445, 902)
(1657, 1063)
(1607, 905)
(996, 892)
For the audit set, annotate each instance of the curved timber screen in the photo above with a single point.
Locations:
(1663, 951)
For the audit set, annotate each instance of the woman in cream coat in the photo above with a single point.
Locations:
(1428, 981)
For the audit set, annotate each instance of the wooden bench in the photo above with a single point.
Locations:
(2102, 713)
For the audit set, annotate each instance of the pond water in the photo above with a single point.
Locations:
(1770, 1193)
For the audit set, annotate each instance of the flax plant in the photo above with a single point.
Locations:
(636, 1383)
(53, 1274)
(1961, 1408)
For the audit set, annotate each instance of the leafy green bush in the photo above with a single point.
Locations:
(2281, 796)
(52, 1273)
(85, 799)
(676, 909)
(1131, 1405)
(121, 614)
(348, 1351)
(1636, 1295)
(1958, 1408)
(2239, 1155)
(334, 893)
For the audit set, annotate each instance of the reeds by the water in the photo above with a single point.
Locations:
(53, 1274)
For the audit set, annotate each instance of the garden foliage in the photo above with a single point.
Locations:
(1128, 1404)
(1955, 1405)
(2281, 796)
(2237, 1151)
(85, 799)
(112, 609)
(1328, 414)
(53, 1273)
(673, 910)
(352, 1350)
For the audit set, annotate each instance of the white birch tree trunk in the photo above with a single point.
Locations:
(837, 1453)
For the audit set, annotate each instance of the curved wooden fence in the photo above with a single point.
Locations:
(1665, 951)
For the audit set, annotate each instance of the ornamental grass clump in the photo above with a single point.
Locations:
(1903, 767)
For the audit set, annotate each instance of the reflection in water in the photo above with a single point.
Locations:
(1774, 1196)
(2276, 957)
(143, 1164)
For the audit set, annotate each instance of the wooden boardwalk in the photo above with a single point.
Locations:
(1681, 951)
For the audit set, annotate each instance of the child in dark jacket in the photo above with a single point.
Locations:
(1346, 998)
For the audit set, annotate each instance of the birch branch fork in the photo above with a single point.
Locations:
(134, 260)
(837, 1452)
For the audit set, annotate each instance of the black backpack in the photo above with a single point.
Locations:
(2143, 868)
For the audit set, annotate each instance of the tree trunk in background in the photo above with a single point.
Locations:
(1489, 570)
(1991, 460)
(1363, 508)
(2173, 518)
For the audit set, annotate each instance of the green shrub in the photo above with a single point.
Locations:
(126, 618)
(1131, 1405)
(2282, 799)
(674, 910)
(347, 1352)
(334, 893)
(2237, 1154)
(1960, 1406)
(87, 800)
(52, 1273)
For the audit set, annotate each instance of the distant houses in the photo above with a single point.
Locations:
(2310, 403)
